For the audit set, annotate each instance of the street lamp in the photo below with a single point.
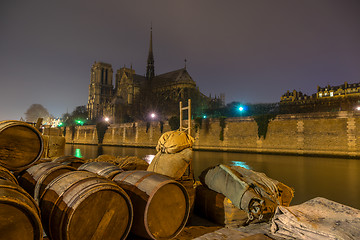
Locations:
(153, 115)
(242, 108)
(107, 119)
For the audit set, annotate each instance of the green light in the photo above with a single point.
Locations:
(60, 124)
(241, 109)
(204, 116)
(79, 122)
(78, 153)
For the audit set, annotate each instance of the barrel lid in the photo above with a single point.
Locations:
(167, 211)
(167, 203)
(20, 145)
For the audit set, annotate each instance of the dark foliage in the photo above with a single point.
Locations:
(222, 125)
(174, 122)
(36, 111)
(263, 122)
(101, 128)
(198, 123)
(80, 113)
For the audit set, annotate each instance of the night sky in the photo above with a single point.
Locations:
(253, 51)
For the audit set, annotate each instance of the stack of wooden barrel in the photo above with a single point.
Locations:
(21, 145)
(70, 199)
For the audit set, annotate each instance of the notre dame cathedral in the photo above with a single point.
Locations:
(135, 96)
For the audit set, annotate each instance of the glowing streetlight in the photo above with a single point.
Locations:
(358, 108)
(107, 119)
(153, 115)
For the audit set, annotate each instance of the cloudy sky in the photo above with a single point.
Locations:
(253, 50)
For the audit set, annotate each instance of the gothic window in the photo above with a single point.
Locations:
(102, 76)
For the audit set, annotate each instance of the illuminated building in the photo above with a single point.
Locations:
(328, 98)
(118, 102)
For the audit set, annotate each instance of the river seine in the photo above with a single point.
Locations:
(336, 179)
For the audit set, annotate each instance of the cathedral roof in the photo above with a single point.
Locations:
(138, 79)
(180, 76)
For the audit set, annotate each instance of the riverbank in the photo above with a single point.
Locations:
(316, 134)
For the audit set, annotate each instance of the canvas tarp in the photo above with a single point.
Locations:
(318, 218)
(174, 141)
(172, 165)
(248, 190)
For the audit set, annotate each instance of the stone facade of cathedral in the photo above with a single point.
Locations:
(114, 102)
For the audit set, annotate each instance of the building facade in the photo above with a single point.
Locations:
(100, 90)
(328, 98)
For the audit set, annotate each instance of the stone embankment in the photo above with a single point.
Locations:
(330, 134)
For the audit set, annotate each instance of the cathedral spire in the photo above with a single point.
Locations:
(150, 71)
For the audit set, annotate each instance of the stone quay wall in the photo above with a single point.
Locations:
(328, 134)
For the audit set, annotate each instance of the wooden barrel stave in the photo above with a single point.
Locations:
(84, 199)
(19, 214)
(7, 175)
(21, 145)
(104, 169)
(35, 179)
(161, 205)
(71, 161)
(54, 192)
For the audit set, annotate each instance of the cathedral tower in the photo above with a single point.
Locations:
(150, 71)
(100, 90)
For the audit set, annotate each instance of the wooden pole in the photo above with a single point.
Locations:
(181, 116)
(189, 117)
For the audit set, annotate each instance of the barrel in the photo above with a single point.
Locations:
(19, 214)
(70, 161)
(104, 169)
(35, 179)
(81, 205)
(161, 205)
(5, 174)
(20, 145)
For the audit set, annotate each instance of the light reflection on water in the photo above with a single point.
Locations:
(78, 153)
(333, 178)
(240, 164)
(149, 158)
